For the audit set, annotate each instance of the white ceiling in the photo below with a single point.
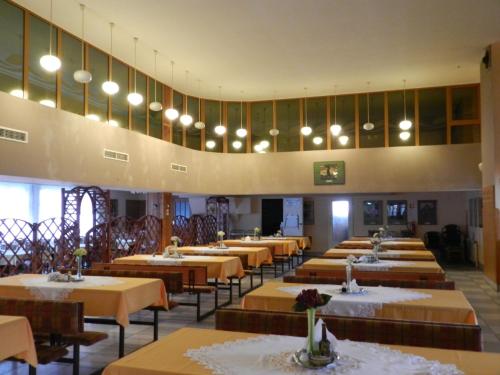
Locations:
(275, 48)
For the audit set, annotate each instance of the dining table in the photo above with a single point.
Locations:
(256, 255)
(303, 242)
(431, 305)
(386, 254)
(276, 246)
(386, 244)
(17, 339)
(196, 351)
(382, 270)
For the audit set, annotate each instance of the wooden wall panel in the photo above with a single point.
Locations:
(489, 234)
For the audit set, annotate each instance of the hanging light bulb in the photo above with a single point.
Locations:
(50, 62)
(210, 144)
(306, 129)
(110, 87)
(186, 119)
(18, 93)
(265, 144)
(199, 124)
(241, 132)
(405, 124)
(172, 113)
(404, 136)
(258, 147)
(135, 98)
(93, 117)
(343, 139)
(220, 129)
(237, 145)
(155, 105)
(48, 103)
(82, 75)
(274, 132)
(317, 140)
(335, 128)
(368, 125)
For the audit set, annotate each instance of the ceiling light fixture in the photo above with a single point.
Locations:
(317, 140)
(258, 147)
(186, 119)
(50, 62)
(172, 113)
(48, 103)
(368, 125)
(265, 144)
(335, 128)
(18, 93)
(155, 105)
(237, 145)
(199, 124)
(405, 124)
(405, 135)
(220, 129)
(82, 75)
(343, 139)
(93, 117)
(274, 132)
(135, 98)
(110, 87)
(306, 130)
(241, 132)
(210, 144)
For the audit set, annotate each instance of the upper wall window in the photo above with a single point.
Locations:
(371, 137)
(316, 119)
(236, 118)
(396, 115)
(155, 117)
(98, 100)
(193, 135)
(288, 124)
(465, 103)
(432, 111)
(178, 101)
(213, 117)
(11, 40)
(139, 111)
(119, 103)
(262, 122)
(345, 118)
(71, 91)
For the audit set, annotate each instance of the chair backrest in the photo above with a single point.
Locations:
(382, 331)
(415, 284)
(46, 317)
(452, 235)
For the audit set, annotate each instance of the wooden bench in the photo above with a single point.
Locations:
(55, 326)
(414, 284)
(371, 275)
(382, 331)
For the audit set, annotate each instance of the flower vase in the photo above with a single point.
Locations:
(348, 271)
(78, 268)
(376, 249)
(311, 319)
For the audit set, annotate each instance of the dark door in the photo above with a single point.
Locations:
(272, 215)
(135, 209)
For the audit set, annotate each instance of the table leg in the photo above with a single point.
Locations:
(121, 342)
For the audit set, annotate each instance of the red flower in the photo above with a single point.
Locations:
(310, 299)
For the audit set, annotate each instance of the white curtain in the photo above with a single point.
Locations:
(15, 201)
(49, 202)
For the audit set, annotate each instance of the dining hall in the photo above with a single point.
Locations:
(233, 187)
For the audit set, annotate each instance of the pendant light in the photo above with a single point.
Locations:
(241, 132)
(82, 75)
(405, 124)
(220, 129)
(186, 119)
(306, 129)
(110, 87)
(368, 125)
(155, 105)
(199, 124)
(343, 139)
(135, 98)
(237, 145)
(274, 131)
(405, 135)
(50, 62)
(210, 144)
(335, 128)
(171, 113)
(317, 140)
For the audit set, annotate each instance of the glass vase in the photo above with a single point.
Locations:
(78, 268)
(348, 271)
(311, 319)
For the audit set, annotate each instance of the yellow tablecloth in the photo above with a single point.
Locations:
(119, 300)
(388, 254)
(218, 267)
(393, 245)
(166, 356)
(304, 242)
(277, 247)
(16, 339)
(445, 306)
(256, 255)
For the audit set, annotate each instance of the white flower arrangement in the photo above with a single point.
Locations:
(175, 240)
(221, 234)
(80, 252)
(256, 230)
(351, 259)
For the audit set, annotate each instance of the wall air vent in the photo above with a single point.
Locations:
(178, 168)
(116, 155)
(13, 135)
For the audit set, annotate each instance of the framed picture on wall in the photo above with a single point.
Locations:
(308, 212)
(372, 213)
(427, 212)
(397, 212)
(329, 173)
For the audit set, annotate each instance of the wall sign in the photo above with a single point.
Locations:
(329, 173)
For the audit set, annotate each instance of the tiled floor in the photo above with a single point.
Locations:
(480, 294)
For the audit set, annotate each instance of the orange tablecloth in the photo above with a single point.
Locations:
(166, 356)
(445, 306)
(393, 245)
(218, 267)
(277, 247)
(256, 255)
(119, 300)
(388, 254)
(16, 339)
(303, 242)
(399, 239)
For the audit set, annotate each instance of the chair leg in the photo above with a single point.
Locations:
(155, 325)
(198, 307)
(275, 270)
(239, 287)
(76, 359)
(261, 275)
(121, 342)
(32, 370)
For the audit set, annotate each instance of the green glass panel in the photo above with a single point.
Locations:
(465, 134)
(465, 103)
(41, 84)
(11, 40)
(288, 124)
(262, 122)
(176, 124)
(432, 110)
(374, 137)
(396, 115)
(98, 100)
(155, 117)
(345, 118)
(236, 116)
(316, 118)
(139, 112)
(193, 135)
(71, 91)
(212, 119)
(119, 103)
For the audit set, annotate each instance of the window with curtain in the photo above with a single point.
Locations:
(49, 202)
(182, 207)
(15, 201)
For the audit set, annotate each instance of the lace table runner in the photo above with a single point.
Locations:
(381, 265)
(363, 305)
(272, 355)
(40, 288)
(160, 260)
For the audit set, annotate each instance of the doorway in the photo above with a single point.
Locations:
(272, 216)
(340, 220)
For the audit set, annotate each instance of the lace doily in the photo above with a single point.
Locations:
(272, 354)
(40, 288)
(363, 305)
